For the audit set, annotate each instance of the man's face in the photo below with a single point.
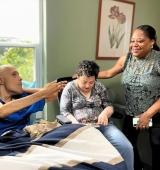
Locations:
(12, 81)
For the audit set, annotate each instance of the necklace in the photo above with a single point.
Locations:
(141, 65)
(86, 95)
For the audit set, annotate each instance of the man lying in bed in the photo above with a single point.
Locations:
(85, 100)
(16, 106)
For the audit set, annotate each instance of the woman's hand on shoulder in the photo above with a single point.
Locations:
(116, 69)
(120, 63)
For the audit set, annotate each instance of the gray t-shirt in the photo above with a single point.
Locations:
(84, 110)
(141, 82)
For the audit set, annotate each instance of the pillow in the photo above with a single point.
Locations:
(38, 129)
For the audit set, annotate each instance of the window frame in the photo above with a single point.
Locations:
(37, 46)
(38, 60)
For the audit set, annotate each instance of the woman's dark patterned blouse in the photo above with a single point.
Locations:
(84, 110)
(141, 82)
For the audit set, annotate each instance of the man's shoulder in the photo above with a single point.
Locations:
(18, 96)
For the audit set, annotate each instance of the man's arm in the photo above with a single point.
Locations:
(31, 90)
(18, 104)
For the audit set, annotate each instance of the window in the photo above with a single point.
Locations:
(20, 37)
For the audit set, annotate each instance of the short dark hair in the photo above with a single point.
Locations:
(87, 68)
(150, 32)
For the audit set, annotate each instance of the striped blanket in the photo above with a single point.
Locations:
(68, 147)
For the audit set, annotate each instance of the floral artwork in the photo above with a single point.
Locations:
(115, 29)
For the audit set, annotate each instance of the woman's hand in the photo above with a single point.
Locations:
(105, 114)
(103, 119)
(143, 122)
(72, 119)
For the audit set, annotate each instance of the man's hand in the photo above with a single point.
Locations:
(51, 90)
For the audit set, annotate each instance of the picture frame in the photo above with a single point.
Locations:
(115, 24)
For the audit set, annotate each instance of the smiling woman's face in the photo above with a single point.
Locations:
(140, 44)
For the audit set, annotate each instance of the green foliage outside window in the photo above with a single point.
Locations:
(21, 58)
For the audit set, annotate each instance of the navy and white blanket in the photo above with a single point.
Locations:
(68, 147)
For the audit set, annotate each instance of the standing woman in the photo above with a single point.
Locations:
(141, 82)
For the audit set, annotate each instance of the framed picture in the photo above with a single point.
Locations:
(115, 23)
